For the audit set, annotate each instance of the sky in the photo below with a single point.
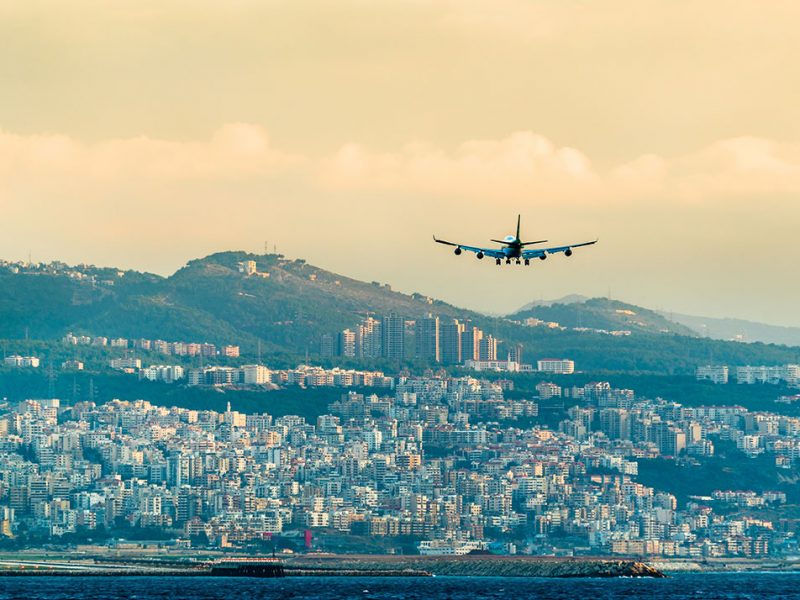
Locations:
(142, 134)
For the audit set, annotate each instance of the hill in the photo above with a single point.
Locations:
(289, 304)
(575, 310)
(602, 313)
(738, 329)
(568, 299)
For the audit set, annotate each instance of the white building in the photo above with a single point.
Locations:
(248, 267)
(166, 373)
(493, 365)
(449, 548)
(255, 375)
(125, 363)
(556, 366)
(772, 374)
(714, 373)
(548, 390)
(21, 361)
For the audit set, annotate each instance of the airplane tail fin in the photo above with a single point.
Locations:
(518, 220)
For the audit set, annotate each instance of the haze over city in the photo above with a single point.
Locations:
(142, 135)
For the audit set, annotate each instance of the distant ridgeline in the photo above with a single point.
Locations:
(285, 306)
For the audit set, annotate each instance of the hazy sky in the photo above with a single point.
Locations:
(143, 133)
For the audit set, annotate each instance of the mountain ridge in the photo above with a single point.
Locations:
(729, 328)
(285, 306)
(602, 314)
(718, 328)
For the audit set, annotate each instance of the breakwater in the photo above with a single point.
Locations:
(343, 565)
(473, 566)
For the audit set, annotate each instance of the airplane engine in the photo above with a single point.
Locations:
(568, 252)
(479, 255)
(543, 257)
(457, 251)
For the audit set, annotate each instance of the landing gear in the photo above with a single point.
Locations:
(497, 261)
(508, 261)
(527, 262)
(518, 261)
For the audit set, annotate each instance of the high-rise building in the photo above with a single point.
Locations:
(615, 423)
(326, 346)
(450, 338)
(346, 343)
(671, 441)
(487, 348)
(471, 343)
(427, 334)
(393, 331)
(515, 353)
(368, 339)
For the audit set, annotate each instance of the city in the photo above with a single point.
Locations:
(434, 464)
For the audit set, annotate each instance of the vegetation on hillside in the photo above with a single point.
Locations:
(289, 308)
(603, 313)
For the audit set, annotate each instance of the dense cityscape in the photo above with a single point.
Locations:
(434, 464)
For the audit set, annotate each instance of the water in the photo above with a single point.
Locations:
(694, 586)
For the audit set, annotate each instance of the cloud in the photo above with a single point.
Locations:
(521, 165)
(525, 164)
(234, 150)
(738, 167)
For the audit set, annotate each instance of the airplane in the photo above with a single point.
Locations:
(514, 249)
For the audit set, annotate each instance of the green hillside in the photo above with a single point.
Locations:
(292, 304)
(602, 313)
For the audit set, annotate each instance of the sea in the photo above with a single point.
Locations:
(706, 586)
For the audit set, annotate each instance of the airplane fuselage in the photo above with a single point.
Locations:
(513, 250)
(513, 246)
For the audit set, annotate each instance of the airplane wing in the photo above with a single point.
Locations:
(539, 252)
(492, 252)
